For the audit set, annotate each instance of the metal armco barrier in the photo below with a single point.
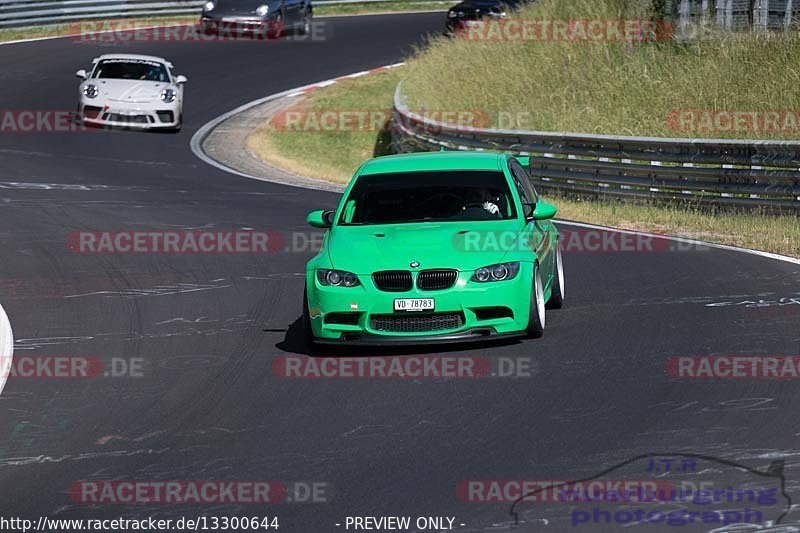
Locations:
(707, 172)
(16, 13)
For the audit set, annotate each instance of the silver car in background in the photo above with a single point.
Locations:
(131, 91)
(270, 18)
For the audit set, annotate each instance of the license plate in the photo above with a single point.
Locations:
(474, 23)
(413, 304)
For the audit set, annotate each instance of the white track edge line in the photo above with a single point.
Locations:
(768, 255)
(196, 143)
(6, 347)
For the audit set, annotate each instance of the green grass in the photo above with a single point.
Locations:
(334, 155)
(381, 7)
(776, 234)
(609, 88)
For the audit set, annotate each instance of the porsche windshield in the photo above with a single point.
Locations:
(446, 196)
(131, 70)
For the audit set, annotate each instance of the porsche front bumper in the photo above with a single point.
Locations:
(125, 115)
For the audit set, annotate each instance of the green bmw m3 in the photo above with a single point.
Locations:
(434, 247)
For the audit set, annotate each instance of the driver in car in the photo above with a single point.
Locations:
(485, 199)
(150, 74)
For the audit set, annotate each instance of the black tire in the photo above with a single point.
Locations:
(305, 24)
(556, 300)
(536, 320)
(308, 333)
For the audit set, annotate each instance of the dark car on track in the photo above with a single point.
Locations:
(473, 11)
(266, 17)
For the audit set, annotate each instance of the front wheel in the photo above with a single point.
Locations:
(556, 300)
(305, 24)
(536, 319)
(308, 333)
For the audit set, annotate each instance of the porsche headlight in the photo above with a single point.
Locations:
(337, 278)
(209, 6)
(168, 95)
(90, 91)
(451, 14)
(498, 272)
(262, 11)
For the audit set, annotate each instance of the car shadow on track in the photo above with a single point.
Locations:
(295, 342)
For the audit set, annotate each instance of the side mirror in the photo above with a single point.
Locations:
(82, 74)
(320, 219)
(544, 211)
(181, 79)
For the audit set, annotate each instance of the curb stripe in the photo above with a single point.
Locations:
(6, 347)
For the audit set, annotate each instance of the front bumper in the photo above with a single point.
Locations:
(468, 311)
(473, 335)
(123, 115)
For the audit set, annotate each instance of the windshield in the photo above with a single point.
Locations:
(131, 69)
(445, 196)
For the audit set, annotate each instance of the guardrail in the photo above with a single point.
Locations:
(702, 171)
(15, 13)
(697, 16)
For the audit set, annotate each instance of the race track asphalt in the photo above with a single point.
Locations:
(208, 328)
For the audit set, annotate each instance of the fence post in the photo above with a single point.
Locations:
(684, 11)
(760, 15)
(729, 15)
(704, 16)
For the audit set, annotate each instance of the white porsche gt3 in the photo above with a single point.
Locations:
(131, 91)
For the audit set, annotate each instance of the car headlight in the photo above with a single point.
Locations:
(209, 6)
(337, 278)
(498, 272)
(451, 14)
(90, 91)
(168, 95)
(262, 11)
